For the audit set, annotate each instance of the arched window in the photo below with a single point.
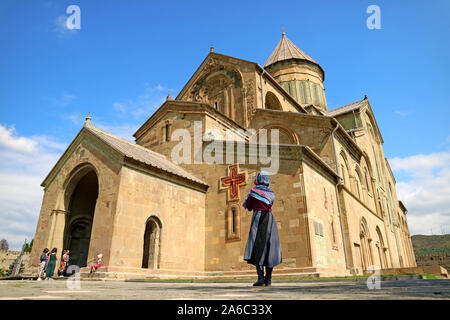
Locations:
(366, 178)
(272, 102)
(166, 130)
(381, 250)
(380, 205)
(333, 233)
(358, 185)
(344, 169)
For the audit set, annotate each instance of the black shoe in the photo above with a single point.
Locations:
(259, 283)
(268, 277)
(260, 272)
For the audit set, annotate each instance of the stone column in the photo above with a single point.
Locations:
(56, 238)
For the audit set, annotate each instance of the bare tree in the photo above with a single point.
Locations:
(4, 245)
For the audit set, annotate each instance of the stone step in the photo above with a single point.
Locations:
(252, 275)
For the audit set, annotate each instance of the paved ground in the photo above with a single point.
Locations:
(57, 289)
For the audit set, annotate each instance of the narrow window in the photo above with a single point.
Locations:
(316, 95)
(216, 105)
(233, 220)
(367, 180)
(357, 188)
(233, 232)
(166, 130)
(332, 232)
(303, 93)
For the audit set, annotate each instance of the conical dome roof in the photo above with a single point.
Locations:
(286, 50)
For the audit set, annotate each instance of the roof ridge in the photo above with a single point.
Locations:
(286, 50)
(126, 141)
(346, 105)
(141, 154)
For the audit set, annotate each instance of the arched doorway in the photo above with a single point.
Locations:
(152, 244)
(80, 215)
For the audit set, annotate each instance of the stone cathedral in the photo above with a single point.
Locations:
(336, 203)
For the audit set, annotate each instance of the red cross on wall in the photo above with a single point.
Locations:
(233, 181)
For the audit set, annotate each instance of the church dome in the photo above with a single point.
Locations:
(297, 73)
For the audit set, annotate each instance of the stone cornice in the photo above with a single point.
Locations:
(285, 152)
(161, 174)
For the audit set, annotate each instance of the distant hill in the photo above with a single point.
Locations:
(437, 244)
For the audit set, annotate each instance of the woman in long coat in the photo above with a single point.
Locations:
(263, 244)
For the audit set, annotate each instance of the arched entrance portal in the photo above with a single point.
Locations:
(152, 241)
(79, 219)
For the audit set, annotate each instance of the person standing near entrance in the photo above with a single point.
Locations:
(263, 244)
(42, 263)
(64, 263)
(51, 263)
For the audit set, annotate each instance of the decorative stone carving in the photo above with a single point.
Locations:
(232, 182)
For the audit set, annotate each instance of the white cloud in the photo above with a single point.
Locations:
(124, 131)
(426, 191)
(401, 113)
(21, 144)
(145, 104)
(76, 118)
(24, 163)
(65, 100)
(60, 27)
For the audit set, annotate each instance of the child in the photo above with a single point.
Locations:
(99, 263)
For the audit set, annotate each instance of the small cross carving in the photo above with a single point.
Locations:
(233, 181)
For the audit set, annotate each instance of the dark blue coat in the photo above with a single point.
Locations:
(263, 244)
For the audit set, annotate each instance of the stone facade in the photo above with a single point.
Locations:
(159, 207)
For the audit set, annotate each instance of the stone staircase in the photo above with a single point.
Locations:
(213, 275)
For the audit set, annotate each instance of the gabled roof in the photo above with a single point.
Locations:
(286, 50)
(128, 150)
(184, 106)
(260, 69)
(141, 154)
(356, 106)
(347, 108)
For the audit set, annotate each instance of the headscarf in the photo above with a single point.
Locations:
(261, 190)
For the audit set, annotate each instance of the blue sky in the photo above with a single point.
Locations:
(128, 54)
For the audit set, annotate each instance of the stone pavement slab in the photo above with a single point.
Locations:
(112, 290)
